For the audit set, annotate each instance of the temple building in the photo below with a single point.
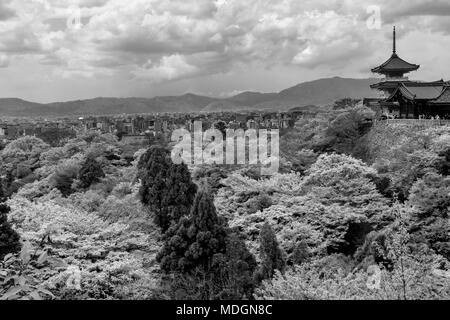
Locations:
(408, 99)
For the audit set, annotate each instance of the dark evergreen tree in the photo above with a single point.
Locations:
(166, 188)
(194, 241)
(206, 260)
(91, 172)
(180, 192)
(272, 258)
(233, 272)
(153, 169)
(9, 239)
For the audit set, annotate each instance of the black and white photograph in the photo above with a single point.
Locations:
(224, 153)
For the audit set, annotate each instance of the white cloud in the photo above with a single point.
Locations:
(4, 61)
(169, 68)
(205, 38)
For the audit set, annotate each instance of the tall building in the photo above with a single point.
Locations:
(408, 99)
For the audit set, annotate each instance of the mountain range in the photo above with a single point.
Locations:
(318, 92)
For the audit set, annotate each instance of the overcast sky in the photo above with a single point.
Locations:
(53, 50)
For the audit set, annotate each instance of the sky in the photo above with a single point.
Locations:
(59, 50)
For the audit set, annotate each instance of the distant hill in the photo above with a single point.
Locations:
(19, 107)
(220, 105)
(187, 102)
(252, 98)
(326, 91)
(318, 92)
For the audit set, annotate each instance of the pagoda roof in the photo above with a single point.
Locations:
(419, 91)
(444, 97)
(395, 63)
(394, 84)
(387, 83)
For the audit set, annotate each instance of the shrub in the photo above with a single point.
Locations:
(430, 195)
(63, 182)
(9, 238)
(15, 269)
(311, 281)
(91, 172)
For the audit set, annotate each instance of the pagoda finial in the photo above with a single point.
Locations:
(394, 47)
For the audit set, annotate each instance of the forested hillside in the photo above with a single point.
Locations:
(357, 211)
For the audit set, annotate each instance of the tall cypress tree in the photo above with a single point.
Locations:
(192, 243)
(167, 188)
(153, 167)
(207, 260)
(233, 272)
(180, 192)
(272, 257)
(9, 239)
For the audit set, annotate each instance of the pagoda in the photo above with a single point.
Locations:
(394, 70)
(404, 98)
